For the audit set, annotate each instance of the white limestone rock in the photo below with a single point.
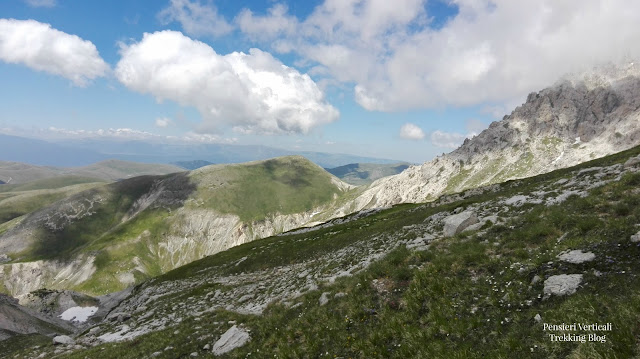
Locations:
(233, 338)
(324, 299)
(63, 339)
(563, 284)
(632, 161)
(457, 223)
(576, 256)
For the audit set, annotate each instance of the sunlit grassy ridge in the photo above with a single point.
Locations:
(468, 296)
(282, 185)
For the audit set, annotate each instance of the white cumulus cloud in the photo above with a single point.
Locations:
(410, 131)
(42, 48)
(491, 51)
(447, 139)
(163, 122)
(277, 22)
(196, 19)
(252, 93)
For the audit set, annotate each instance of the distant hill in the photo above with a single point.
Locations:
(113, 235)
(192, 165)
(359, 174)
(14, 173)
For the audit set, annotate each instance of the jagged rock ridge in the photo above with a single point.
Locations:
(578, 119)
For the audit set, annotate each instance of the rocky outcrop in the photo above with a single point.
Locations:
(16, 319)
(56, 303)
(457, 223)
(563, 284)
(578, 119)
(233, 338)
(22, 278)
(63, 339)
(576, 256)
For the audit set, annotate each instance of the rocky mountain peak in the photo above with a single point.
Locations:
(580, 118)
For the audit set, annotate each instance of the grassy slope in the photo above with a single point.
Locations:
(26, 198)
(40, 186)
(48, 183)
(282, 185)
(428, 308)
(23, 172)
(252, 191)
(71, 239)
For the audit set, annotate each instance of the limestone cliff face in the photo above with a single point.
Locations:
(578, 119)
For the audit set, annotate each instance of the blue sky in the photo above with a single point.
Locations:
(406, 80)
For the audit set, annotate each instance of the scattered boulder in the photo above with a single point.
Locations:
(576, 256)
(563, 284)
(632, 161)
(119, 316)
(63, 339)
(339, 295)
(535, 279)
(324, 298)
(636, 237)
(457, 223)
(419, 244)
(537, 318)
(233, 338)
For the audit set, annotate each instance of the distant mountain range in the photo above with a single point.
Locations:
(82, 152)
(13, 173)
(359, 174)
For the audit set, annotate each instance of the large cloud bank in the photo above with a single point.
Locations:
(253, 93)
(490, 51)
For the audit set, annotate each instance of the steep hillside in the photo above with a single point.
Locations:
(580, 118)
(23, 199)
(111, 236)
(359, 174)
(14, 173)
(471, 275)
